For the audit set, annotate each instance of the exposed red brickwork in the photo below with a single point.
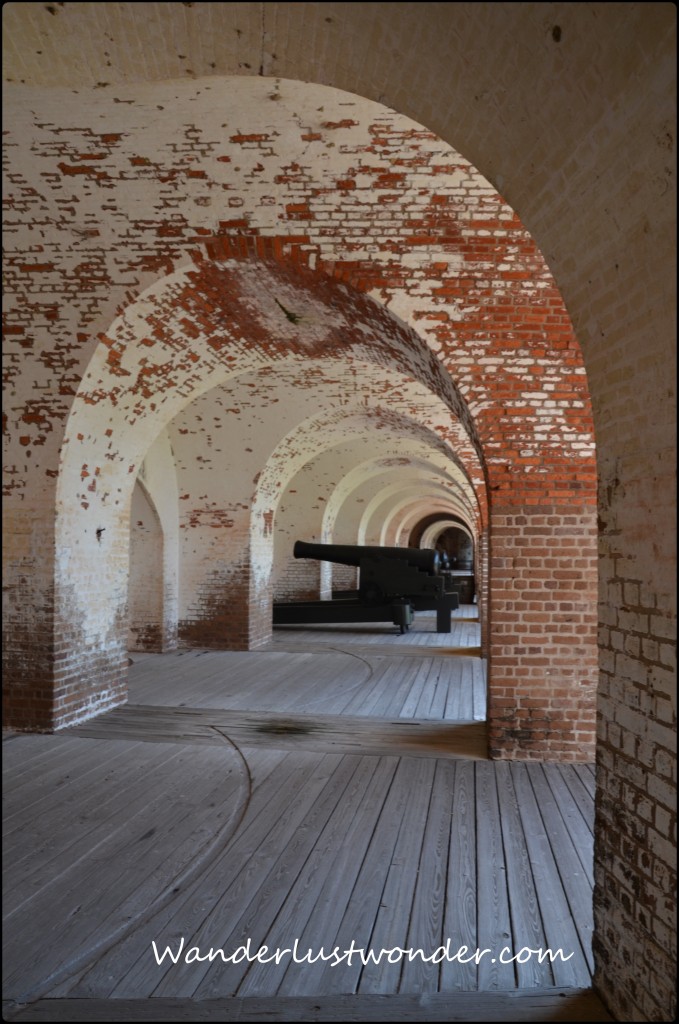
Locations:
(493, 309)
(299, 580)
(341, 240)
(575, 122)
(542, 633)
(478, 289)
(28, 697)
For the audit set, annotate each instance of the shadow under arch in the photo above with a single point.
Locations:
(146, 577)
(149, 366)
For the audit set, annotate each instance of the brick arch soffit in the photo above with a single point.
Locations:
(307, 441)
(414, 513)
(435, 516)
(408, 485)
(460, 474)
(242, 240)
(398, 493)
(424, 522)
(403, 470)
(201, 325)
(432, 533)
(435, 461)
(148, 497)
(401, 497)
(535, 424)
(400, 418)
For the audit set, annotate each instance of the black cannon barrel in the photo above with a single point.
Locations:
(425, 559)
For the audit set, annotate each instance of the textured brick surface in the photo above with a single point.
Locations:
(343, 231)
(568, 109)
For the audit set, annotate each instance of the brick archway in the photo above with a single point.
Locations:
(570, 113)
(501, 353)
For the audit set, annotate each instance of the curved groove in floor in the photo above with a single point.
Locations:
(64, 975)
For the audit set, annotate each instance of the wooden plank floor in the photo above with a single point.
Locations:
(329, 683)
(346, 733)
(199, 814)
(330, 671)
(537, 1005)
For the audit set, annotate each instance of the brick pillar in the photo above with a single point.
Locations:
(543, 672)
(29, 647)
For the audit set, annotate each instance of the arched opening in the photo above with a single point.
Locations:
(145, 590)
(251, 298)
(561, 218)
(453, 539)
(252, 360)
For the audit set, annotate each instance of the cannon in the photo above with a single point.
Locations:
(393, 584)
(385, 573)
(352, 554)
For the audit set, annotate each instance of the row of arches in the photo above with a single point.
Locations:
(247, 445)
(373, 291)
(569, 112)
(347, 446)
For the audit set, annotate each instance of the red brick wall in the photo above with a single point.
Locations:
(28, 639)
(573, 118)
(543, 633)
(348, 236)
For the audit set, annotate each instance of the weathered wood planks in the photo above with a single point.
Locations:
(536, 1005)
(371, 816)
(323, 733)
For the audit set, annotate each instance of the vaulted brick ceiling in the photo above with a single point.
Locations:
(150, 142)
(277, 279)
(235, 222)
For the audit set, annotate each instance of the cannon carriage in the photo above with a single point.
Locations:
(394, 583)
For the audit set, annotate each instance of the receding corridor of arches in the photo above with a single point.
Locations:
(385, 275)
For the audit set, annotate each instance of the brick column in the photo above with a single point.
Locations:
(543, 669)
